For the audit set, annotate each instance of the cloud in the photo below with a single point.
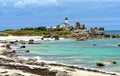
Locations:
(28, 3)
(25, 7)
(91, 0)
(105, 6)
(35, 3)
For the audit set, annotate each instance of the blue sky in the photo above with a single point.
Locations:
(33, 13)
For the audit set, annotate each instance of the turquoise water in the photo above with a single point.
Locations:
(80, 53)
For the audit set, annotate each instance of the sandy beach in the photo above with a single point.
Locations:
(12, 64)
(25, 38)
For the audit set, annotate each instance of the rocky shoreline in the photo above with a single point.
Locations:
(10, 60)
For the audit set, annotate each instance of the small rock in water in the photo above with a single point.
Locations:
(31, 41)
(22, 42)
(118, 44)
(23, 46)
(100, 64)
(94, 44)
(42, 38)
(11, 42)
(27, 51)
(112, 62)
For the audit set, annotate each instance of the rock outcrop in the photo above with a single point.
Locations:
(10, 53)
(118, 44)
(8, 46)
(22, 42)
(111, 62)
(100, 64)
(81, 38)
(7, 51)
(27, 51)
(23, 46)
(31, 41)
(56, 37)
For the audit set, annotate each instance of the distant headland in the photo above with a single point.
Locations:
(65, 29)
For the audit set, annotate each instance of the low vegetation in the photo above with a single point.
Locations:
(35, 31)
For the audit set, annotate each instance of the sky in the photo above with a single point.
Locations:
(33, 13)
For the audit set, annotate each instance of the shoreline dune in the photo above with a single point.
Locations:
(32, 67)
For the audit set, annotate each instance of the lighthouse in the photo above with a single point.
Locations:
(65, 25)
(66, 20)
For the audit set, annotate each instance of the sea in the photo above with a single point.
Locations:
(79, 53)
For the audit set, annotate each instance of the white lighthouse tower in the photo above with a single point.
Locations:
(66, 20)
(65, 25)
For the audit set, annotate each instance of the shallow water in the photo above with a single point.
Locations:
(80, 53)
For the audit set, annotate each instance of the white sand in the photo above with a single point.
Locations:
(86, 73)
(14, 73)
(2, 49)
(1, 44)
(79, 72)
(24, 38)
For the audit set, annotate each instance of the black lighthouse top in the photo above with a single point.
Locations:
(66, 18)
